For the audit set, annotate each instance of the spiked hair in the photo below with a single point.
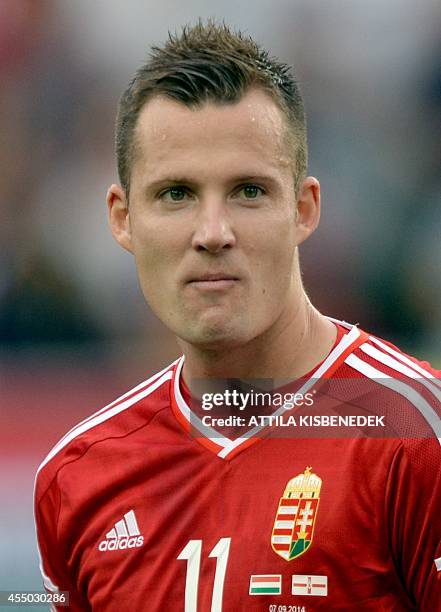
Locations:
(209, 63)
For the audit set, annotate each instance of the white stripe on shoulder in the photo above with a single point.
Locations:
(342, 323)
(399, 366)
(400, 387)
(119, 399)
(405, 359)
(101, 416)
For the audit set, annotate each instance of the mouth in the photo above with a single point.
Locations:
(213, 282)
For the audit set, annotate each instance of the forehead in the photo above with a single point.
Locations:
(252, 131)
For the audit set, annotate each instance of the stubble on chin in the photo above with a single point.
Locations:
(212, 334)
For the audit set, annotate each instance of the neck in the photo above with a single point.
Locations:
(293, 346)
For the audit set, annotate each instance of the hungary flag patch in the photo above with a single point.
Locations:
(266, 585)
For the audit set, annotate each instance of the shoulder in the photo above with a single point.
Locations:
(395, 358)
(378, 358)
(405, 388)
(372, 348)
(135, 408)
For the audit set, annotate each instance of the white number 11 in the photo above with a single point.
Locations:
(192, 553)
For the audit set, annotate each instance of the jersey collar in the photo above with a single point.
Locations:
(224, 447)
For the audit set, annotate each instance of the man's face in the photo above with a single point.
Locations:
(212, 218)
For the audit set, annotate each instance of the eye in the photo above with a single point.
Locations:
(251, 192)
(174, 194)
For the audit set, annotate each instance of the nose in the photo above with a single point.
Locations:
(213, 231)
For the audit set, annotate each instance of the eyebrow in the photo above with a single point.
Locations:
(182, 180)
(169, 180)
(249, 178)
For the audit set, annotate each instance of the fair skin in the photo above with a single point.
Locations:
(214, 225)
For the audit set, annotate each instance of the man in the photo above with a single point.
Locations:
(147, 505)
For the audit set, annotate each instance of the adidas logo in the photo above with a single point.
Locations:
(125, 534)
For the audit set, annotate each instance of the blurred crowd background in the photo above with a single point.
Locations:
(74, 329)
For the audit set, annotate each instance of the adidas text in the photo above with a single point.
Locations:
(121, 543)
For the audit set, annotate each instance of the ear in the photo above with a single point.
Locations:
(308, 208)
(119, 219)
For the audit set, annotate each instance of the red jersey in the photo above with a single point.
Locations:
(135, 512)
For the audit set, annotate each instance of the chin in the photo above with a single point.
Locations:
(214, 335)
